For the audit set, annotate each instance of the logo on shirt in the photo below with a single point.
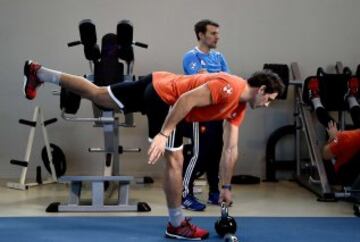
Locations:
(192, 65)
(233, 115)
(228, 89)
(202, 63)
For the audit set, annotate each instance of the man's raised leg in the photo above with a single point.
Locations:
(35, 75)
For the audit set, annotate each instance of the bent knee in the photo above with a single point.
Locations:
(174, 159)
(326, 152)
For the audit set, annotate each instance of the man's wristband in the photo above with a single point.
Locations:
(162, 134)
(226, 186)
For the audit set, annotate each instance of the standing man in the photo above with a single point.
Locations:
(206, 141)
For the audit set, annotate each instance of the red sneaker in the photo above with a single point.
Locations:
(31, 81)
(186, 231)
(313, 87)
(353, 85)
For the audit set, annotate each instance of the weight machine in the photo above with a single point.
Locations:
(106, 68)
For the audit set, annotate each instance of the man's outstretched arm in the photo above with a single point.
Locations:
(197, 97)
(228, 159)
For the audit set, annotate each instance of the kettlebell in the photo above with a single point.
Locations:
(225, 224)
(230, 238)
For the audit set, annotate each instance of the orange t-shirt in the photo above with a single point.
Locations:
(225, 92)
(345, 146)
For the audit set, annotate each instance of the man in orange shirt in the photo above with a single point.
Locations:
(342, 145)
(167, 99)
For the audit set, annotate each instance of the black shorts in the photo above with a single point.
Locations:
(140, 96)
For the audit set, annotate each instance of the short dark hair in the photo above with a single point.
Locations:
(269, 79)
(200, 27)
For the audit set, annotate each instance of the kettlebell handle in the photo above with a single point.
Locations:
(224, 210)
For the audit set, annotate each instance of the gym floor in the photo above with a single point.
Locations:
(283, 199)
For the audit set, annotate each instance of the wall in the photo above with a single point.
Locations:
(311, 32)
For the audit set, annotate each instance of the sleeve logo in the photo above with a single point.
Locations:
(192, 65)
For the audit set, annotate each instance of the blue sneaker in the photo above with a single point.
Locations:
(191, 203)
(214, 198)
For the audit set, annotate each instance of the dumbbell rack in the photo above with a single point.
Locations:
(38, 119)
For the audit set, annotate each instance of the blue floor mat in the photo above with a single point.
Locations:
(116, 229)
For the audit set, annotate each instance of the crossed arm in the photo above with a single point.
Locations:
(332, 131)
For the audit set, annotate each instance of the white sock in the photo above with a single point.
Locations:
(352, 102)
(49, 75)
(317, 103)
(176, 216)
